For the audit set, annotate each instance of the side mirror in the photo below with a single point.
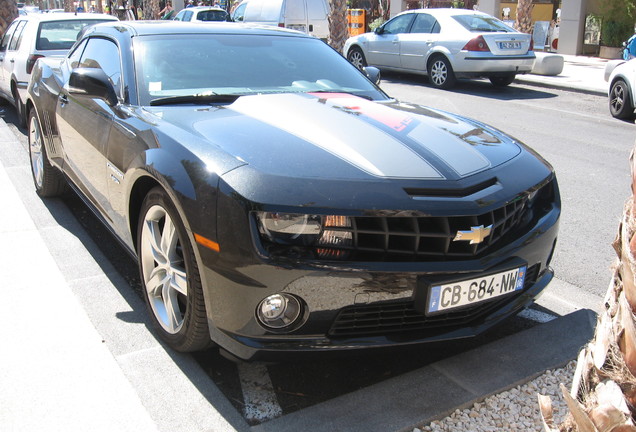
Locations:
(94, 83)
(373, 73)
(378, 30)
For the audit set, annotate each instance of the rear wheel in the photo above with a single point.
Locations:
(440, 73)
(48, 180)
(620, 103)
(170, 275)
(356, 57)
(502, 80)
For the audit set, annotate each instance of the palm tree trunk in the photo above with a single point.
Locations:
(8, 12)
(524, 16)
(338, 27)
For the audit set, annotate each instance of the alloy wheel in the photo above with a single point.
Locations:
(618, 98)
(35, 149)
(164, 274)
(439, 73)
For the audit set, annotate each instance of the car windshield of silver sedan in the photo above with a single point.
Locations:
(190, 69)
(479, 24)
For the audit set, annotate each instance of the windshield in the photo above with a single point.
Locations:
(203, 64)
(481, 23)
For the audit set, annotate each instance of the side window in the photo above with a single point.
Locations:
(424, 23)
(104, 54)
(7, 36)
(179, 16)
(74, 57)
(239, 12)
(16, 37)
(398, 24)
(187, 16)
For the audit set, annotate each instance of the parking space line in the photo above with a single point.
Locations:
(535, 315)
(261, 403)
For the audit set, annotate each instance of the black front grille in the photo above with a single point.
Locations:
(391, 318)
(430, 238)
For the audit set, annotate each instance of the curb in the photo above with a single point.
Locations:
(546, 83)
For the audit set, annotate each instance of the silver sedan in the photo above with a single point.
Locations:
(445, 44)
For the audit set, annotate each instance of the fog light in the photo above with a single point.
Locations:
(278, 311)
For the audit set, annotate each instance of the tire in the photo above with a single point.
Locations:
(19, 108)
(47, 179)
(620, 101)
(440, 73)
(170, 275)
(356, 57)
(502, 80)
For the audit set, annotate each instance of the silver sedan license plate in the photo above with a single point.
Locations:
(457, 294)
(509, 45)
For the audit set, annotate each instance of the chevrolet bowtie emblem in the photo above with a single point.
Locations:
(475, 235)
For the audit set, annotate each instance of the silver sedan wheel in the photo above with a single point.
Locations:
(35, 149)
(164, 274)
(439, 73)
(356, 58)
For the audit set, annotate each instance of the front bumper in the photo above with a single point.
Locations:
(233, 292)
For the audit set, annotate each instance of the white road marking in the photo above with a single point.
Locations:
(536, 315)
(259, 397)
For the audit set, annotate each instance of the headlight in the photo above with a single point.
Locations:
(327, 236)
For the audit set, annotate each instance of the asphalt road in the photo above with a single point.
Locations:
(573, 131)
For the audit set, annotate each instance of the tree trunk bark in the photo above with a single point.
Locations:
(524, 16)
(8, 12)
(338, 26)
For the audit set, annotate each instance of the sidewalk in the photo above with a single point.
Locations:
(77, 354)
(580, 73)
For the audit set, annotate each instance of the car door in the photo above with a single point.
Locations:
(383, 47)
(4, 45)
(9, 57)
(84, 124)
(416, 44)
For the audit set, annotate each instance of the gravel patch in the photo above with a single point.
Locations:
(515, 410)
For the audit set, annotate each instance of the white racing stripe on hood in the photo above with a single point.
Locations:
(342, 134)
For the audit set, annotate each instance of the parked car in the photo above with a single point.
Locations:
(622, 82)
(202, 13)
(280, 201)
(445, 44)
(31, 37)
(307, 16)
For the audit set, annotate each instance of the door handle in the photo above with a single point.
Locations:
(63, 99)
(311, 27)
(12, 60)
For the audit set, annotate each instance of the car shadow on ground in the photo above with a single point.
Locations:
(473, 87)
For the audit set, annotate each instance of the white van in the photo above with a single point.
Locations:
(308, 16)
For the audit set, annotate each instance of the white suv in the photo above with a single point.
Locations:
(33, 36)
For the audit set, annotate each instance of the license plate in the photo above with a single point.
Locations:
(457, 294)
(510, 45)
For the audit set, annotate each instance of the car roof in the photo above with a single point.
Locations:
(160, 27)
(66, 16)
(446, 11)
(200, 8)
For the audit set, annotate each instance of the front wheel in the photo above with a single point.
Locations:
(440, 73)
(48, 181)
(620, 103)
(502, 80)
(170, 275)
(356, 58)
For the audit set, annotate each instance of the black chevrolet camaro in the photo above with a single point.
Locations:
(278, 201)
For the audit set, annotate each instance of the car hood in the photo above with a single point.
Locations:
(334, 135)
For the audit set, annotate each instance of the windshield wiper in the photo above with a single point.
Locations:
(340, 91)
(195, 99)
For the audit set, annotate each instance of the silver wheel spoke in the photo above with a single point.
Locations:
(169, 239)
(156, 282)
(173, 313)
(155, 242)
(179, 281)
